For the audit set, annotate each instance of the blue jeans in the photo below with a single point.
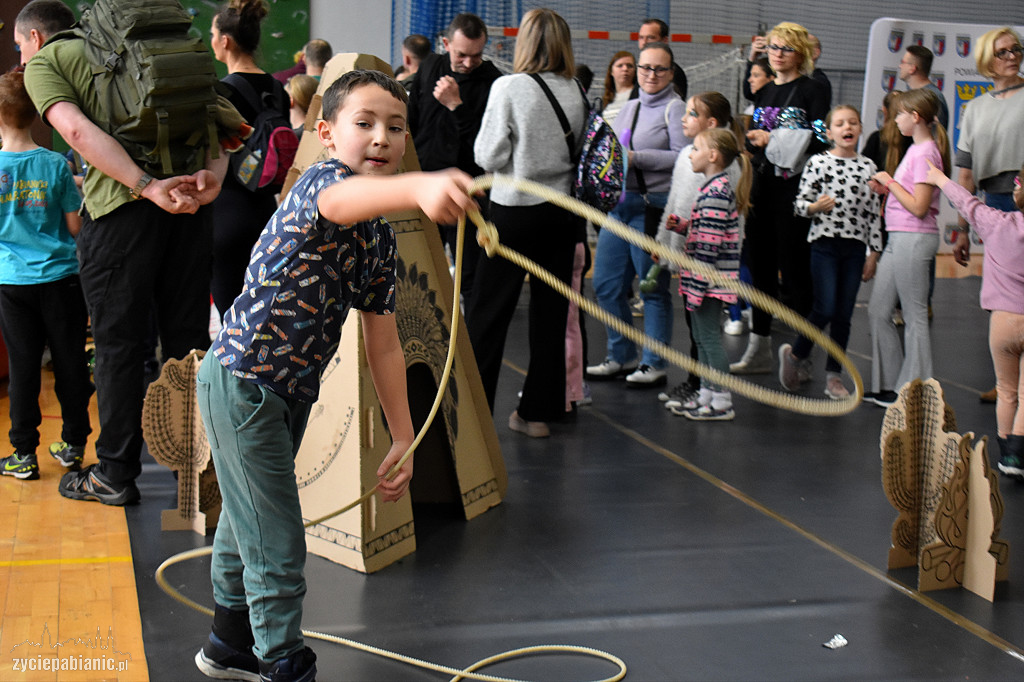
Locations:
(836, 268)
(615, 264)
(1004, 202)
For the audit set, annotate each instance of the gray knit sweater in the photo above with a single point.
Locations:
(520, 135)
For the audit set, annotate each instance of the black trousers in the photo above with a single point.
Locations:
(137, 260)
(547, 235)
(33, 316)
(776, 244)
(470, 250)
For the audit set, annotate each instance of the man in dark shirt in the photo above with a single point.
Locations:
(446, 104)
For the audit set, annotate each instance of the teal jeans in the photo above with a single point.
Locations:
(259, 551)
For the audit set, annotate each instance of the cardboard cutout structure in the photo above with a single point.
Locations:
(946, 493)
(346, 438)
(176, 438)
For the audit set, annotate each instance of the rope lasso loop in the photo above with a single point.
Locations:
(788, 401)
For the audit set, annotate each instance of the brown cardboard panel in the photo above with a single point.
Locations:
(946, 493)
(346, 437)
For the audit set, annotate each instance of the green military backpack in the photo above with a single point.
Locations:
(155, 81)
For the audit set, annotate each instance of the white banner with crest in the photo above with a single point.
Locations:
(954, 72)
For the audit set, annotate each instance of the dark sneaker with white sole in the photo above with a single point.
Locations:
(299, 667)
(21, 466)
(69, 456)
(89, 484)
(221, 661)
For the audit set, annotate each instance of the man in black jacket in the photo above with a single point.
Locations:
(446, 104)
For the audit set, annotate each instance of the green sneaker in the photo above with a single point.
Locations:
(20, 466)
(69, 456)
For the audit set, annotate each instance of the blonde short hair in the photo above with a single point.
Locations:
(544, 45)
(985, 50)
(798, 38)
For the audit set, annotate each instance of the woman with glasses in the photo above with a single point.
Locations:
(651, 130)
(990, 148)
(776, 239)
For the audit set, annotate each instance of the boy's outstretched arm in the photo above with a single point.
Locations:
(441, 195)
(387, 368)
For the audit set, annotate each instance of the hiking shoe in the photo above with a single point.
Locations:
(646, 376)
(25, 467)
(69, 456)
(221, 661)
(89, 484)
(609, 369)
(880, 398)
(834, 387)
(678, 395)
(789, 368)
(299, 667)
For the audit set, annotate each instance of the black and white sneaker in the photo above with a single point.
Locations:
(676, 396)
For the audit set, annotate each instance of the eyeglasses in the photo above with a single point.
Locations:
(1010, 52)
(656, 70)
(783, 49)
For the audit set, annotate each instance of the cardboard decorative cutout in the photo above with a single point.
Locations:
(346, 437)
(946, 493)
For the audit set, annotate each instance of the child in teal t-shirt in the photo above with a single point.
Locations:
(41, 300)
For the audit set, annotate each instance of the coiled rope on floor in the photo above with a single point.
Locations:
(487, 236)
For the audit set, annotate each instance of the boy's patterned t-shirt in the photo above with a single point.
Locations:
(304, 275)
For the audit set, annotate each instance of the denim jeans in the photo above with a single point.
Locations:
(836, 268)
(615, 264)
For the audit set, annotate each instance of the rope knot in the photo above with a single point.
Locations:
(486, 235)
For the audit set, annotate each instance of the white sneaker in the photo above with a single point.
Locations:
(734, 327)
(646, 376)
(609, 369)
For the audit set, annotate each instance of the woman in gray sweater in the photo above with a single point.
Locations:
(520, 136)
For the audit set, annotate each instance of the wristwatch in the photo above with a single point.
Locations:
(136, 191)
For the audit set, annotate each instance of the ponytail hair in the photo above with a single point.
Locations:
(925, 104)
(724, 141)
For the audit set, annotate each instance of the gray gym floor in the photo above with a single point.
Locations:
(693, 551)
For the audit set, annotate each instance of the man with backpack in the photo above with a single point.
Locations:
(447, 99)
(145, 242)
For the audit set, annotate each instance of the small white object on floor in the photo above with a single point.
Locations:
(837, 642)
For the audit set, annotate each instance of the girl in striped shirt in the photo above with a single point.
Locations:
(713, 237)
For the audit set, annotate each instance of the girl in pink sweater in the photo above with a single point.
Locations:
(1002, 294)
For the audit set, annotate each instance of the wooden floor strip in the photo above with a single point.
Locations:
(67, 583)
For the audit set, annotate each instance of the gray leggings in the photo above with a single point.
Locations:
(903, 276)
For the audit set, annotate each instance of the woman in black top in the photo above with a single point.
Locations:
(776, 239)
(239, 215)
